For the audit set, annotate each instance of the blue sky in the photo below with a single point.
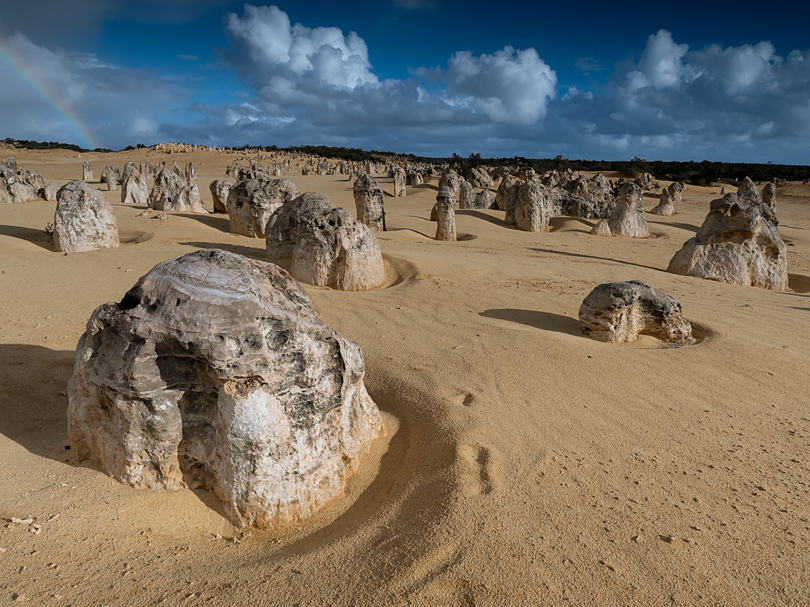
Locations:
(674, 81)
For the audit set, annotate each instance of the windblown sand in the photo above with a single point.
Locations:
(526, 464)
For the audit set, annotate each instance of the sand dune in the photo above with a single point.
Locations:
(525, 464)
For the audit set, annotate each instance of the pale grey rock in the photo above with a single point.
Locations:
(49, 191)
(479, 178)
(618, 312)
(628, 218)
(220, 189)
(251, 203)
(645, 181)
(133, 186)
(191, 174)
(601, 228)
(512, 201)
(214, 372)
(326, 245)
(676, 191)
(87, 171)
(665, 207)
(534, 207)
(446, 215)
(503, 191)
(485, 200)
(769, 195)
(738, 243)
(83, 219)
(10, 163)
(414, 178)
(369, 202)
(578, 196)
(110, 177)
(170, 193)
(399, 182)
(451, 179)
(14, 187)
(466, 196)
(748, 189)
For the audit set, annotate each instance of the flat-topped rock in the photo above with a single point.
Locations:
(618, 312)
(214, 372)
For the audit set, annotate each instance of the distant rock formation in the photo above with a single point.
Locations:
(618, 312)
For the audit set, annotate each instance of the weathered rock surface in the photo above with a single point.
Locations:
(665, 207)
(645, 181)
(446, 215)
(534, 207)
(10, 163)
(133, 186)
(19, 185)
(214, 372)
(479, 178)
(326, 245)
(49, 191)
(83, 220)
(399, 182)
(485, 200)
(170, 193)
(601, 228)
(451, 179)
(578, 196)
(369, 202)
(220, 188)
(87, 171)
(769, 195)
(618, 312)
(628, 218)
(738, 243)
(504, 189)
(466, 196)
(110, 177)
(251, 203)
(676, 191)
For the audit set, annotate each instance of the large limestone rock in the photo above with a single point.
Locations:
(466, 196)
(133, 186)
(14, 187)
(214, 372)
(49, 191)
(676, 191)
(738, 243)
(512, 201)
(326, 245)
(628, 217)
(87, 171)
(220, 188)
(10, 163)
(665, 207)
(83, 220)
(446, 215)
(645, 181)
(251, 203)
(191, 174)
(170, 193)
(618, 312)
(369, 202)
(484, 200)
(451, 179)
(578, 196)
(534, 207)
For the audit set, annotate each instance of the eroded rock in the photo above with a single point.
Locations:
(133, 186)
(618, 312)
(628, 217)
(534, 207)
(738, 243)
(251, 203)
(83, 220)
(214, 372)
(170, 193)
(369, 202)
(446, 215)
(220, 188)
(665, 207)
(325, 244)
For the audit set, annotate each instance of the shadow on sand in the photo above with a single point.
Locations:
(583, 256)
(37, 237)
(217, 221)
(545, 321)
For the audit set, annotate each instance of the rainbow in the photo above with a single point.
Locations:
(65, 114)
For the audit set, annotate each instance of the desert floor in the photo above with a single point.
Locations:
(525, 464)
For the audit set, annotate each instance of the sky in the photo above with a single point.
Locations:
(591, 80)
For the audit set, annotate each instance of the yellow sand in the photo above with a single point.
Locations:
(526, 465)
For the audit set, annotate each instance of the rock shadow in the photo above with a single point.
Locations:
(545, 321)
(675, 224)
(218, 222)
(560, 221)
(37, 237)
(253, 253)
(33, 399)
(583, 256)
(799, 283)
(480, 215)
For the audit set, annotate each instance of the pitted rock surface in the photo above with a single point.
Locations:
(83, 219)
(214, 372)
(618, 312)
(251, 203)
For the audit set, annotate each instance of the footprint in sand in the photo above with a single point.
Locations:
(482, 475)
